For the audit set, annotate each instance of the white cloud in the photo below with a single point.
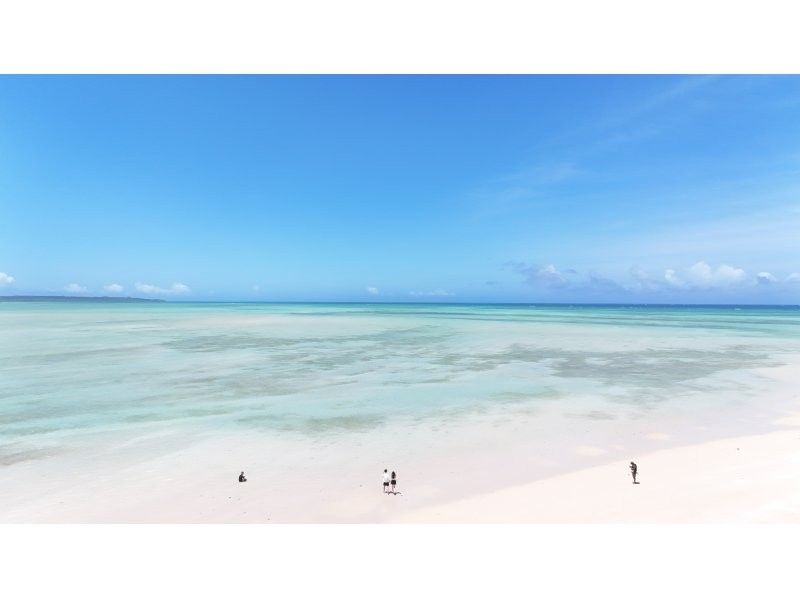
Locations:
(547, 275)
(177, 288)
(765, 278)
(702, 276)
(373, 290)
(74, 287)
(550, 275)
(597, 282)
(642, 281)
(5, 278)
(672, 278)
(725, 275)
(434, 293)
(113, 288)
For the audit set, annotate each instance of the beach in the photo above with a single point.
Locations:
(487, 414)
(750, 479)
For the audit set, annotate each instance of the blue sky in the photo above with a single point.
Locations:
(400, 188)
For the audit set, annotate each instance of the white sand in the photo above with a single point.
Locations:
(746, 479)
(743, 479)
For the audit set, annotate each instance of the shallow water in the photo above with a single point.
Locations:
(68, 371)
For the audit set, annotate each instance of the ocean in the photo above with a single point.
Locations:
(77, 371)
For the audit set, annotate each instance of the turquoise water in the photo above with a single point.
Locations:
(71, 370)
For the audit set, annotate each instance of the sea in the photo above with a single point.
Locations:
(74, 371)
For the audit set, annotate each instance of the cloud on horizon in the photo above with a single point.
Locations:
(5, 279)
(702, 276)
(113, 288)
(765, 278)
(548, 275)
(177, 288)
(74, 287)
(699, 277)
(434, 293)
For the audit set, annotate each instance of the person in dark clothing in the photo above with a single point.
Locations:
(394, 482)
(634, 471)
(386, 481)
(242, 478)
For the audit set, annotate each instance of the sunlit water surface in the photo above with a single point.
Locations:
(70, 370)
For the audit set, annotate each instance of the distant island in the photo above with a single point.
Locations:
(78, 299)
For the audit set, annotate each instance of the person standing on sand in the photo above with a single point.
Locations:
(634, 471)
(385, 481)
(394, 482)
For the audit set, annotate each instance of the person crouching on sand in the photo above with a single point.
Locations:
(394, 482)
(634, 471)
(242, 478)
(385, 481)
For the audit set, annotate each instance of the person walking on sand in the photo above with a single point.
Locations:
(394, 482)
(634, 471)
(386, 481)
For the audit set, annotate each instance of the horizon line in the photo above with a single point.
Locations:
(122, 299)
